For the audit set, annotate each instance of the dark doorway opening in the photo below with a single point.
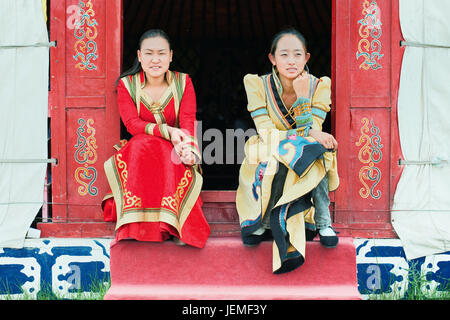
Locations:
(217, 42)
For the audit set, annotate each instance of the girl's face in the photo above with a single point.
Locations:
(290, 56)
(155, 56)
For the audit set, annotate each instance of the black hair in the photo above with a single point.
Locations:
(136, 67)
(282, 33)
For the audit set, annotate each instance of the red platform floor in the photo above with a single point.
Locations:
(225, 269)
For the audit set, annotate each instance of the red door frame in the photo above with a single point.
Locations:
(344, 26)
(219, 204)
(73, 93)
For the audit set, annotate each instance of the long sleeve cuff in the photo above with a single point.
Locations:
(303, 115)
(159, 130)
(193, 146)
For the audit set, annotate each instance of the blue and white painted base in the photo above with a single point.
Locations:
(383, 268)
(69, 266)
(66, 265)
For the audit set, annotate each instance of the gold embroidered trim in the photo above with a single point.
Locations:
(173, 202)
(130, 200)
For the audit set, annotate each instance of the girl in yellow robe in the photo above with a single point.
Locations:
(290, 166)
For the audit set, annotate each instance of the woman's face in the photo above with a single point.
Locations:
(155, 56)
(290, 57)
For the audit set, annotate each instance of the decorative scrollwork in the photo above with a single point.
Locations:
(86, 156)
(130, 200)
(86, 174)
(85, 32)
(370, 28)
(173, 202)
(369, 155)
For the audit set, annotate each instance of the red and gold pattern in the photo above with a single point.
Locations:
(154, 197)
(131, 201)
(369, 155)
(173, 202)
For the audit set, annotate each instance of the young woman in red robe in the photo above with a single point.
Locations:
(154, 177)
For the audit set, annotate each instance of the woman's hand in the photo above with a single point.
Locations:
(178, 139)
(325, 139)
(187, 156)
(301, 85)
(177, 136)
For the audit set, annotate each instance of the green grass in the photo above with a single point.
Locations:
(96, 291)
(418, 288)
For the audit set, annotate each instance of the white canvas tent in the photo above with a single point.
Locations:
(24, 65)
(421, 210)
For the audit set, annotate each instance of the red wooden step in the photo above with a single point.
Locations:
(106, 229)
(226, 269)
(218, 206)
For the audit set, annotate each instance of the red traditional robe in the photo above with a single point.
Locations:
(154, 195)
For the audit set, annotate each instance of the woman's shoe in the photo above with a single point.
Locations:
(178, 242)
(254, 239)
(310, 234)
(328, 237)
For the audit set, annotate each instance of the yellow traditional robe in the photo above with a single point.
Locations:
(281, 140)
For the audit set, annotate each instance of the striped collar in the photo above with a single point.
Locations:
(169, 77)
(277, 80)
(312, 84)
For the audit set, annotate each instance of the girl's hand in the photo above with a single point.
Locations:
(325, 139)
(301, 85)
